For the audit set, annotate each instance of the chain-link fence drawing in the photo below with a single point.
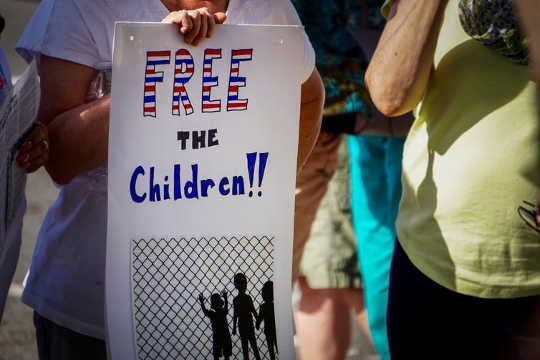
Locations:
(169, 274)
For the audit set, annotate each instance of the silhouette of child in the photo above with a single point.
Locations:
(244, 313)
(220, 329)
(266, 315)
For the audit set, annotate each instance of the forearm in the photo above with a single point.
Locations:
(310, 116)
(79, 140)
(399, 70)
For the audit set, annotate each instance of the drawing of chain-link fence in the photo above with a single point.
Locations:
(169, 274)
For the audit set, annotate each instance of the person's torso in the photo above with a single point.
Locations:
(68, 265)
(470, 159)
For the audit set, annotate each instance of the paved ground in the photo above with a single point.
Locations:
(17, 340)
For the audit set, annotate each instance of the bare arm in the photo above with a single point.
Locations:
(379, 124)
(310, 116)
(78, 132)
(399, 70)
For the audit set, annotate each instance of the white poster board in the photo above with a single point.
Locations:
(202, 162)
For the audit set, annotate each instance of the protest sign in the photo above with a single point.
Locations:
(202, 162)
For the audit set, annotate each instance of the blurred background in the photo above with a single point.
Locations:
(17, 338)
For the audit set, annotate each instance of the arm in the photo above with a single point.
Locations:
(379, 124)
(311, 106)
(399, 70)
(78, 131)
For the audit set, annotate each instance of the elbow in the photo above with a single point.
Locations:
(390, 106)
(58, 175)
(387, 98)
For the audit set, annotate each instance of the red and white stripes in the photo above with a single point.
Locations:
(236, 81)
(151, 77)
(183, 71)
(209, 81)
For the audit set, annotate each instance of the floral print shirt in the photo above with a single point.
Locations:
(331, 26)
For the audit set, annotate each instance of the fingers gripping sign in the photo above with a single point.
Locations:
(195, 25)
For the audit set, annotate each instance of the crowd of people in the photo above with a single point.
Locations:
(418, 184)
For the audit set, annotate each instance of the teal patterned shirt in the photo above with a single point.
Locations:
(341, 62)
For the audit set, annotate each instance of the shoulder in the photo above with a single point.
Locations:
(69, 10)
(68, 29)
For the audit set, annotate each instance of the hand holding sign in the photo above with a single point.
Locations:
(195, 25)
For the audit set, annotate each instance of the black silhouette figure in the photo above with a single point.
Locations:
(220, 329)
(244, 313)
(266, 315)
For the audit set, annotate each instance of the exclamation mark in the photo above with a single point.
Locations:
(251, 158)
(262, 166)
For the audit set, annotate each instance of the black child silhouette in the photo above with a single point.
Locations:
(220, 328)
(266, 315)
(244, 312)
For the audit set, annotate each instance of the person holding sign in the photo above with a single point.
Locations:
(73, 40)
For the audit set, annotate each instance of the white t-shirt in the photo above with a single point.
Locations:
(66, 279)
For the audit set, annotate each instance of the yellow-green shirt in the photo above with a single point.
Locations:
(471, 157)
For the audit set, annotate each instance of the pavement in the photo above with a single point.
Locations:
(17, 336)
